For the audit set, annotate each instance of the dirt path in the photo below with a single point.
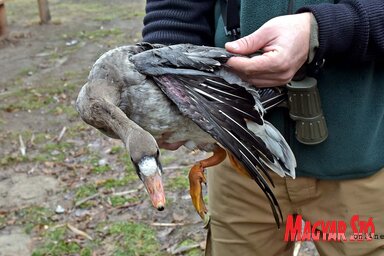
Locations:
(65, 189)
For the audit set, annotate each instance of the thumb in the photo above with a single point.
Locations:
(246, 45)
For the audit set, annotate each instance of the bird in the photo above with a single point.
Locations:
(153, 96)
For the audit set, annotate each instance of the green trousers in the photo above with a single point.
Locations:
(241, 221)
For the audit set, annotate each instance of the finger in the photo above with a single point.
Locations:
(265, 63)
(262, 78)
(266, 80)
(248, 44)
(269, 82)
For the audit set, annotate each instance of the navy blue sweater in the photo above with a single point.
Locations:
(173, 21)
(355, 27)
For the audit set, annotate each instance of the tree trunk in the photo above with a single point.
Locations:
(3, 20)
(45, 15)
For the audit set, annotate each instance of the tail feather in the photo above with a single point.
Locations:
(285, 161)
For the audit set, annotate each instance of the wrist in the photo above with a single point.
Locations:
(313, 39)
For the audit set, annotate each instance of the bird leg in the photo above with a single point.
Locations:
(162, 142)
(196, 177)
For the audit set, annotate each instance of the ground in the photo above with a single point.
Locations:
(66, 189)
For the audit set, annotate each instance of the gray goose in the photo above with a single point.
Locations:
(151, 96)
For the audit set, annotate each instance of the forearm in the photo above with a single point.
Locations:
(352, 28)
(175, 21)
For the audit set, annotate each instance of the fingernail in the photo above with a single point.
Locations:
(232, 45)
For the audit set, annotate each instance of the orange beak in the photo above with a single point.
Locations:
(154, 186)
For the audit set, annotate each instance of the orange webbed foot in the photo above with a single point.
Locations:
(197, 176)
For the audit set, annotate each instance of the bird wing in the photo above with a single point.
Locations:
(223, 117)
(179, 59)
(185, 73)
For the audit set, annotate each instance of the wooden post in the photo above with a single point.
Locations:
(45, 15)
(3, 19)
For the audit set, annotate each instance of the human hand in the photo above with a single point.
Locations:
(284, 41)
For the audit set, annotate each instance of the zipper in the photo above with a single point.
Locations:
(290, 6)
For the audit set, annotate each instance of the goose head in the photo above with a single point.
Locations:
(145, 153)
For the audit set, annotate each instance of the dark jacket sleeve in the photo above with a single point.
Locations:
(353, 28)
(179, 21)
